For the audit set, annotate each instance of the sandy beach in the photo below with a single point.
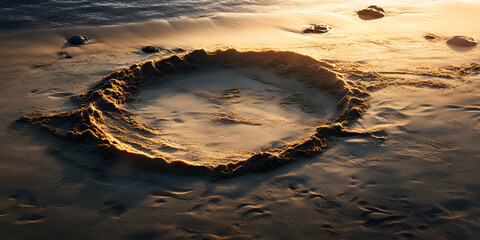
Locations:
(243, 125)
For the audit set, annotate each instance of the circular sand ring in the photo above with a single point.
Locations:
(102, 111)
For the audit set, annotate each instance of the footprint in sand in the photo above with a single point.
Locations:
(52, 92)
(328, 228)
(30, 218)
(322, 205)
(158, 201)
(206, 202)
(112, 208)
(379, 215)
(214, 200)
(371, 183)
(26, 206)
(251, 211)
(406, 235)
(180, 193)
(292, 182)
(321, 202)
(24, 198)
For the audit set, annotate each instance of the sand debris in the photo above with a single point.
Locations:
(371, 12)
(78, 40)
(319, 28)
(462, 41)
(151, 49)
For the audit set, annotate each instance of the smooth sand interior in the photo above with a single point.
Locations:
(217, 115)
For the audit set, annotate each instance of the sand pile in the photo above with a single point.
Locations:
(104, 120)
(151, 49)
(318, 28)
(371, 12)
(462, 41)
(77, 40)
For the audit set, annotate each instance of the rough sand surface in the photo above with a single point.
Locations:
(102, 120)
(418, 183)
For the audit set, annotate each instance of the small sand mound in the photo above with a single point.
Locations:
(431, 37)
(77, 40)
(104, 121)
(372, 12)
(319, 28)
(151, 49)
(462, 41)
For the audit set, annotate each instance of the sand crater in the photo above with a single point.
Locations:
(221, 114)
(218, 115)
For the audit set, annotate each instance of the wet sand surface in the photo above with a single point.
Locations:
(418, 183)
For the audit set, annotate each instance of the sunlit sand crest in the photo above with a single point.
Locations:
(104, 119)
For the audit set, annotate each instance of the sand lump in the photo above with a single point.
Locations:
(319, 28)
(462, 41)
(64, 55)
(103, 123)
(372, 12)
(77, 40)
(151, 49)
(431, 37)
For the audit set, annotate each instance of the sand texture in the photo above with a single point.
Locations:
(240, 126)
(104, 121)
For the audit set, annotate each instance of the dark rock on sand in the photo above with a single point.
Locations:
(372, 12)
(462, 41)
(77, 40)
(430, 37)
(319, 28)
(64, 55)
(151, 49)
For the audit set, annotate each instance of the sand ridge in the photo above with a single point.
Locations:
(102, 110)
(103, 120)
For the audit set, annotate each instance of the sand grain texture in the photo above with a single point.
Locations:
(111, 165)
(102, 108)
